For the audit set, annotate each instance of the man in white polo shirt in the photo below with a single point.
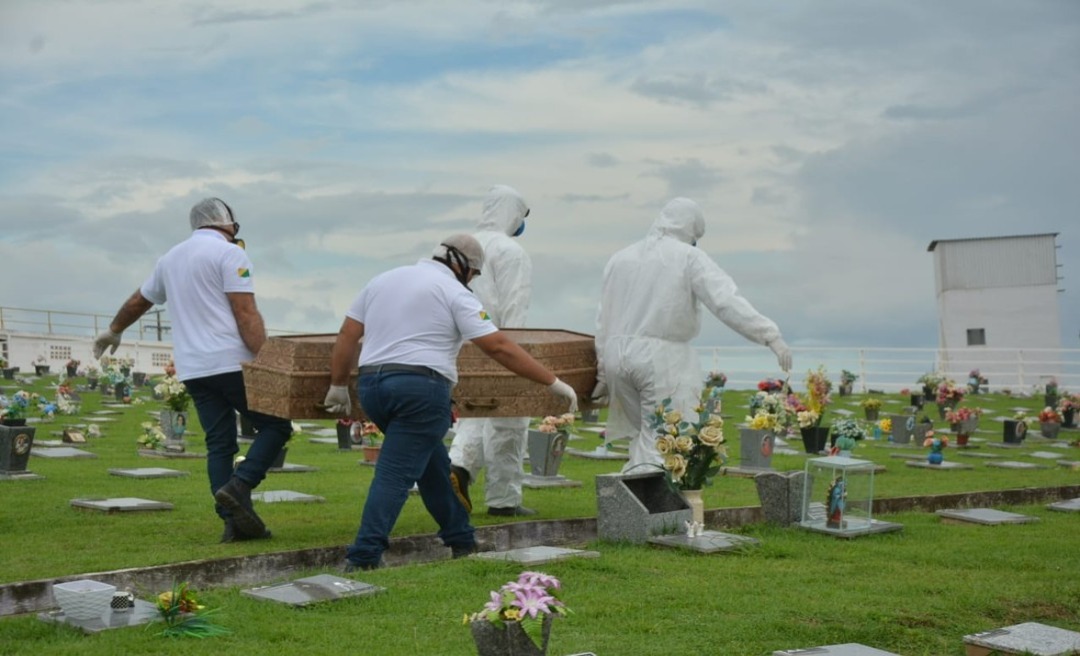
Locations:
(413, 321)
(207, 282)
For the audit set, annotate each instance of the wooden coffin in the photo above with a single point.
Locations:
(290, 376)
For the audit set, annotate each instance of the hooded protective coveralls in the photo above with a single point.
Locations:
(649, 311)
(504, 288)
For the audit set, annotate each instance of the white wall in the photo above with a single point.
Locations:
(22, 350)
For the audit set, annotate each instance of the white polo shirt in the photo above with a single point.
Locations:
(193, 277)
(418, 315)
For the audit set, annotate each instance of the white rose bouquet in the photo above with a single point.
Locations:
(693, 451)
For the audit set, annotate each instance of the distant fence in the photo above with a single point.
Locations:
(892, 369)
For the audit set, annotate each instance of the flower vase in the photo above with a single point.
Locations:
(9, 373)
(697, 505)
(72, 372)
(1049, 429)
(1014, 431)
(961, 439)
(845, 445)
(935, 458)
(1068, 417)
(92, 383)
(371, 453)
(508, 640)
(16, 441)
(814, 438)
(871, 413)
(41, 369)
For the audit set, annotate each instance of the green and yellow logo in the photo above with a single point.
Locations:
(484, 316)
(243, 273)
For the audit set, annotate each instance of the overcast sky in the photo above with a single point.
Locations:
(827, 142)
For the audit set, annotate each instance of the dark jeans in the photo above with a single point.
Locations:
(413, 411)
(217, 400)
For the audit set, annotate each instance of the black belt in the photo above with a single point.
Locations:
(402, 368)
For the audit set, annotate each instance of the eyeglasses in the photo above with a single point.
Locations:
(235, 228)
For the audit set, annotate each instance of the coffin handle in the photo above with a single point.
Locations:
(481, 405)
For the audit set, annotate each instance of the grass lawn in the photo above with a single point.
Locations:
(915, 592)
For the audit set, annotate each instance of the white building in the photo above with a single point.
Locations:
(997, 295)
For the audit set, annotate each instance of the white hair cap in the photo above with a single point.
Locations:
(466, 245)
(211, 212)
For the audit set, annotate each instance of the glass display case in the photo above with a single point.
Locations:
(838, 497)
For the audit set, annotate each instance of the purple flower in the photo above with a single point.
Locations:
(539, 578)
(496, 602)
(532, 601)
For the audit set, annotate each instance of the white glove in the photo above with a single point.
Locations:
(104, 341)
(783, 354)
(559, 388)
(600, 393)
(337, 400)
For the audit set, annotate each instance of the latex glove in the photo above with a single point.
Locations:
(337, 400)
(104, 341)
(559, 388)
(783, 354)
(600, 393)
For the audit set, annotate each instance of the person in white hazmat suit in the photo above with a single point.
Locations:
(650, 307)
(504, 289)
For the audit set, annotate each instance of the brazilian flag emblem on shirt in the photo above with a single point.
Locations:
(484, 316)
(243, 273)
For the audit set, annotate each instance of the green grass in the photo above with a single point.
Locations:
(916, 592)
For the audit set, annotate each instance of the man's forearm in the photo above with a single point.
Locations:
(129, 312)
(252, 330)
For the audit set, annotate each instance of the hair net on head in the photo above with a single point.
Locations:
(211, 212)
(466, 245)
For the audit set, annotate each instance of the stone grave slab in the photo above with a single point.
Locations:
(846, 649)
(988, 516)
(1069, 505)
(539, 482)
(312, 589)
(592, 429)
(106, 412)
(325, 432)
(1069, 464)
(1015, 464)
(144, 612)
(20, 476)
(1045, 455)
(305, 425)
(170, 455)
(599, 453)
(781, 496)
(1030, 638)
(324, 440)
(984, 456)
(707, 542)
(61, 452)
(285, 496)
(49, 443)
(876, 526)
(908, 456)
(633, 507)
(100, 420)
(292, 468)
(535, 555)
(148, 472)
(1004, 445)
(948, 465)
(784, 451)
(121, 504)
(843, 411)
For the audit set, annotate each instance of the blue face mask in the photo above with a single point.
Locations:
(520, 230)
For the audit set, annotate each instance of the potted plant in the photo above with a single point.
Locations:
(975, 381)
(871, 407)
(517, 618)
(937, 444)
(72, 367)
(949, 395)
(372, 439)
(846, 433)
(92, 374)
(1015, 429)
(692, 452)
(716, 379)
(962, 422)
(41, 365)
(174, 418)
(810, 413)
(1067, 406)
(847, 380)
(929, 382)
(1049, 422)
(152, 438)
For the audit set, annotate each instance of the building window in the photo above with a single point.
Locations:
(59, 352)
(160, 359)
(976, 337)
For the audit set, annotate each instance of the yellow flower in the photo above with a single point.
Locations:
(885, 425)
(673, 417)
(665, 444)
(675, 464)
(762, 421)
(512, 614)
(716, 421)
(684, 444)
(711, 435)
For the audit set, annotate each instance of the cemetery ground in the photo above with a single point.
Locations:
(918, 591)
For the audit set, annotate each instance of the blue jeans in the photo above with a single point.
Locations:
(413, 411)
(217, 400)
